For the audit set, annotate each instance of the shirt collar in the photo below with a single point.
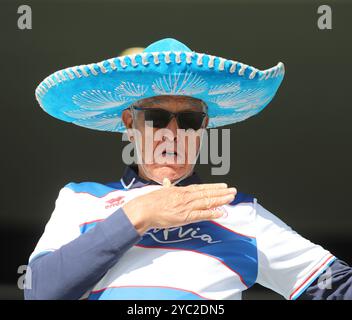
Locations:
(130, 179)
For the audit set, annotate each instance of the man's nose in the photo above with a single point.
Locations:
(173, 126)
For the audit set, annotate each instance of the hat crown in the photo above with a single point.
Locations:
(167, 44)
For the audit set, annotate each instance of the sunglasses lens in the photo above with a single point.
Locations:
(190, 120)
(159, 117)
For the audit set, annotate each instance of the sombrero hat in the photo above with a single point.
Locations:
(94, 95)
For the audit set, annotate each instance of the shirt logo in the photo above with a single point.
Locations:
(114, 202)
(179, 234)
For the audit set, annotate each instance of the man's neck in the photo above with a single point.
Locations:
(132, 179)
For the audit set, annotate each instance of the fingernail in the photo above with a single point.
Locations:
(234, 190)
(166, 182)
(218, 214)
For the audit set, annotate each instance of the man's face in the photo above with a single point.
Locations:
(167, 152)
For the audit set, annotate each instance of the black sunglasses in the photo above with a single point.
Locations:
(185, 119)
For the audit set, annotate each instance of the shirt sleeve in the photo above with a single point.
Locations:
(66, 264)
(335, 284)
(287, 262)
(62, 227)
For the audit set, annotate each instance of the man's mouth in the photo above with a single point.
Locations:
(169, 153)
(171, 157)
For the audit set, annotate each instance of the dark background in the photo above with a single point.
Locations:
(295, 156)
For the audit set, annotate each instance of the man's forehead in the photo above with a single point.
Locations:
(159, 101)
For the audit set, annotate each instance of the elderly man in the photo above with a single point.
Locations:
(160, 233)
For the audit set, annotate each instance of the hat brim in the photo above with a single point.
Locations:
(95, 95)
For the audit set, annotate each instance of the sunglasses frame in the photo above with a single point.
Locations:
(173, 115)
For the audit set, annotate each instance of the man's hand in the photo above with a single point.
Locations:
(176, 206)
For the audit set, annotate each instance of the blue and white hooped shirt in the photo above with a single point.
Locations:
(206, 260)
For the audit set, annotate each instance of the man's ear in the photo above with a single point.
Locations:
(206, 122)
(127, 121)
(127, 118)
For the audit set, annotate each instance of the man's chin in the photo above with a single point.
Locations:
(171, 172)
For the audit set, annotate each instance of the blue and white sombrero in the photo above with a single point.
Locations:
(94, 95)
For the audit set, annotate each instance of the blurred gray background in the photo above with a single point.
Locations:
(295, 156)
